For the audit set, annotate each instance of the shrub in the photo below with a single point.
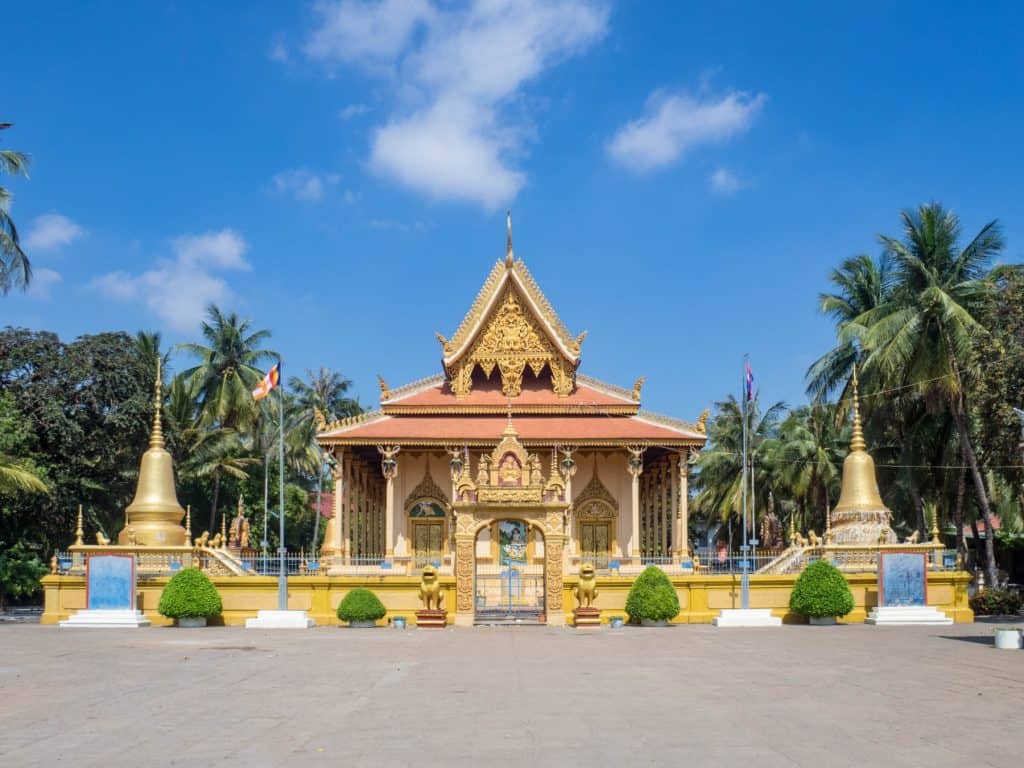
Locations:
(995, 602)
(189, 595)
(820, 591)
(652, 597)
(361, 605)
(20, 571)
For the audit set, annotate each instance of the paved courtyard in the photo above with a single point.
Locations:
(796, 696)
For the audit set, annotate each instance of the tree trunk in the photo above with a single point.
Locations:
(213, 506)
(919, 508)
(979, 489)
(958, 511)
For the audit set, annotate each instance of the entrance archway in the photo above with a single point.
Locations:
(508, 575)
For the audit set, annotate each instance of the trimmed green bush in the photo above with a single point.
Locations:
(996, 602)
(361, 605)
(821, 591)
(190, 595)
(652, 597)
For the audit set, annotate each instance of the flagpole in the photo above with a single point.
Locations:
(282, 577)
(744, 549)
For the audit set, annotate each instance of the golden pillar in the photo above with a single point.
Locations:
(683, 511)
(333, 545)
(553, 579)
(465, 538)
(346, 506)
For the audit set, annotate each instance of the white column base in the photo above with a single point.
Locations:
(280, 620)
(749, 617)
(907, 615)
(107, 619)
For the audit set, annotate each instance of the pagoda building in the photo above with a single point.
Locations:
(509, 467)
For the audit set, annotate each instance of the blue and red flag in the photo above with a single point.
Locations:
(750, 383)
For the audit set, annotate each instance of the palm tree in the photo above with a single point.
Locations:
(15, 269)
(921, 335)
(862, 284)
(15, 476)
(719, 469)
(227, 370)
(147, 346)
(217, 453)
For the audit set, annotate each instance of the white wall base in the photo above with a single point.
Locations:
(280, 620)
(909, 615)
(749, 617)
(107, 619)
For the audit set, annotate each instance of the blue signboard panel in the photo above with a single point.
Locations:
(110, 582)
(902, 578)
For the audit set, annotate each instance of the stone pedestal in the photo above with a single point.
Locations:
(280, 620)
(107, 619)
(902, 616)
(431, 619)
(749, 617)
(586, 617)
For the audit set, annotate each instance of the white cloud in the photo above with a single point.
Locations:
(675, 123)
(279, 52)
(724, 181)
(453, 70)
(178, 290)
(303, 184)
(43, 281)
(50, 232)
(353, 110)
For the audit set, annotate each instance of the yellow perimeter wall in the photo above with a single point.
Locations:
(700, 597)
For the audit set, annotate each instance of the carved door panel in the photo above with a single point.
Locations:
(595, 543)
(427, 542)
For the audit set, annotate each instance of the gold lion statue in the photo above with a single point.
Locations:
(430, 589)
(203, 540)
(216, 541)
(813, 538)
(913, 538)
(102, 540)
(586, 591)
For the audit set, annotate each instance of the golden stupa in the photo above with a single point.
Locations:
(861, 516)
(154, 516)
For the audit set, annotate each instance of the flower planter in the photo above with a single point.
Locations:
(652, 623)
(362, 624)
(399, 622)
(1008, 639)
(615, 622)
(190, 622)
(822, 621)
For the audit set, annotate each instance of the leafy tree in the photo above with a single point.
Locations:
(15, 269)
(20, 571)
(921, 337)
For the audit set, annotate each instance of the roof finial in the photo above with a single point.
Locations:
(508, 241)
(857, 443)
(156, 437)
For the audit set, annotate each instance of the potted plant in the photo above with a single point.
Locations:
(821, 593)
(361, 608)
(652, 599)
(190, 598)
(1007, 638)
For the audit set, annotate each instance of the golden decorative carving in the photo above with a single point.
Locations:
(427, 489)
(595, 500)
(702, 421)
(79, 533)
(586, 592)
(553, 573)
(431, 593)
(385, 393)
(319, 420)
(635, 394)
(464, 575)
(464, 524)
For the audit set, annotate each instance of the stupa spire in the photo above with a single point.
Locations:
(156, 437)
(857, 443)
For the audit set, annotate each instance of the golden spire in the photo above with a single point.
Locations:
(79, 533)
(857, 443)
(508, 240)
(154, 516)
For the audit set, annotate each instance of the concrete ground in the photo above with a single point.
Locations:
(688, 695)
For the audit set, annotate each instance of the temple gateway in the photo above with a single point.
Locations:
(509, 468)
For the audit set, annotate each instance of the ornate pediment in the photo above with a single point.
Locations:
(427, 489)
(595, 501)
(510, 475)
(511, 327)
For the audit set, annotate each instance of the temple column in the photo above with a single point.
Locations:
(664, 504)
(333, 541)
(553, 578)
(682, 536)
(346, 506)
(389, 466)
(635, 468)
(465, 542)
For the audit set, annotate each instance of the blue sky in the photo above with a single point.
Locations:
(681, 179)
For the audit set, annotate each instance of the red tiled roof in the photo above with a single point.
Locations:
(534, 392)
(489, 428)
